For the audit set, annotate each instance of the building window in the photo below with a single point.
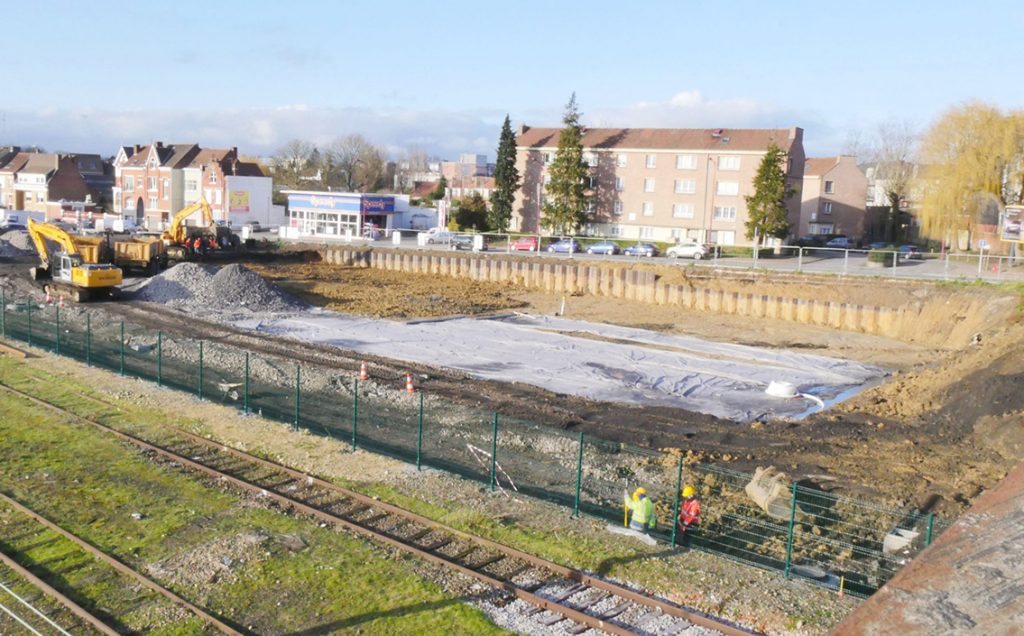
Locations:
(827, 208)
(830, 187)
(591, 183)
(213, 177)
(129, 204)
(167, 188)
(617, 208)
(686, 162)
(729, 163)
(646, 232)
(191, 185)
(728, 188)
(615, 230)
(725, 212)
(590, 158)
(648, 185)
(151, 183)
(676, 234)
(620, 184)
(621, 160)
(682, 211)
(723, 237)
(129, 183)
(686, 186)
(652, 161)
(152, 202)
(648, 208)
(548, 158)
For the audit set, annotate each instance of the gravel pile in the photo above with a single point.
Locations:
(15, 243)
(203, 288)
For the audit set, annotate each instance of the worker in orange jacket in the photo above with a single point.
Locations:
(689, 514)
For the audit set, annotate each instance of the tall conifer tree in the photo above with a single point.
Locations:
(565, 211)
(506, 180)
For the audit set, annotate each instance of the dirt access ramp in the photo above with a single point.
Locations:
(969, 581)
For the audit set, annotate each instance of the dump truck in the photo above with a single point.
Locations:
(147, 255)
(65, 269)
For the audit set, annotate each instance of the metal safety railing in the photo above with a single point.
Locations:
(808, 533)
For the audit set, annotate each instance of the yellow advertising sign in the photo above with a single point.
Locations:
(238, 201)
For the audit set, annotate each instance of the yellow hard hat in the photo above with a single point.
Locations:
(639, 491)
(688, 491)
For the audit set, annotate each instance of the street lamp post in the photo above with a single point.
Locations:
(707, 217)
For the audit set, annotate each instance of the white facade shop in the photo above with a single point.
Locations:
(345, 215)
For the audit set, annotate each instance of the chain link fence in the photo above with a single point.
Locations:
(765, 520)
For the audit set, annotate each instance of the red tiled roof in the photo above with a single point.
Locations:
(818, 166)
(171, 156)
(423, 189)
(708, 139)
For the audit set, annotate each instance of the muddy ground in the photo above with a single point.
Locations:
(946, 426)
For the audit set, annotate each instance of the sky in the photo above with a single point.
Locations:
(441, 76)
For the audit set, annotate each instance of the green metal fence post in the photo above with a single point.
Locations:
(579, 479)
(494, 451)
(56, 341)
(298, 375)
(3, 313)
(419, 435)
(200, 370)
(30, 324)
(931, 521)
(355, 411)
(88, 339)
(159, 358)
(122, 347)
(792, 523)
(675, 509)
(245, 398)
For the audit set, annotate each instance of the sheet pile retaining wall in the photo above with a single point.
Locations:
(628, 284)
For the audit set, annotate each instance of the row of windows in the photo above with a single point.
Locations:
(681, 210)
(721, 237)
(683, 162)
(129, 184)
(681, 186)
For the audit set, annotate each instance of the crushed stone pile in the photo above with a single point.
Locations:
(200, 288)
(15, 243)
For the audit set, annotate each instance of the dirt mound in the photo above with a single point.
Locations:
(15, 243)
(199, 288)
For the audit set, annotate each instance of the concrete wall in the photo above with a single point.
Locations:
(629, 284)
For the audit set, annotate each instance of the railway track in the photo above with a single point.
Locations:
(78, 564)
(559, 598)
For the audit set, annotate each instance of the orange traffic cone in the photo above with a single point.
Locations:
(409, 388)
(60, 301)
(48, 299)
(363, 375)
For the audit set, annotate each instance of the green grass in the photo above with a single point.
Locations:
(91, 484)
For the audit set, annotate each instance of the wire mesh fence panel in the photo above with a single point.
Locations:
(179, 363)
(142, 355)
(73, 335)
(17, 317)
(105, 344)
(536, 460)
(272, 391)
(387, 425)
(222, 375)
(453, 441)
(44, 326)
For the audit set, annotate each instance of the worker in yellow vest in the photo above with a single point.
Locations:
(641, 510)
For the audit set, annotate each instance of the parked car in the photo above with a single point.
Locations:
(254, 226)
(811, 240)
(569, 246)
(880, 245)
(696, 251)
(465, 242)
(524, 244)
(603, 247)
(438, 235)
(841, 242)
(909, 252)
(641, 249)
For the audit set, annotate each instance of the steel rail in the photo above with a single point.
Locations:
(52, 592)
(328, 517)
(118, 565)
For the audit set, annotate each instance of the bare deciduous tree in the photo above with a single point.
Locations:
(353, 164)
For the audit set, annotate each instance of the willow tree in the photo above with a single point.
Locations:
(973, 157)
(566, 208)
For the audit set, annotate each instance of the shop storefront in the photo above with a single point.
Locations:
(340, 214)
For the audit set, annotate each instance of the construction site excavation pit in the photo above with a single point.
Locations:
(568, 357)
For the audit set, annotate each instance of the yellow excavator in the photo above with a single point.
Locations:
(178, 234)
(67, 268)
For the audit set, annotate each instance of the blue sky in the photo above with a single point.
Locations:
(87, 76)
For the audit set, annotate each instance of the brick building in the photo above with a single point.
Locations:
(661, 184)
(59, 185)
(832, 199)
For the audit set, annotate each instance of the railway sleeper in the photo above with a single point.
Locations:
(573, 590)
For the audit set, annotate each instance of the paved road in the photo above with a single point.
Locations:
(839, 262)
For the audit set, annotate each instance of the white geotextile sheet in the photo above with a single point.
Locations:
(603, 362)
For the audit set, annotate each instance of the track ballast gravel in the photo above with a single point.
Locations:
(201, 288)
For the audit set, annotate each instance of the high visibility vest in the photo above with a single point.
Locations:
(690, 511)
(643, 511)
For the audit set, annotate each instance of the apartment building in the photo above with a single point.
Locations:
(230, 186)
(832, 199)
(661, 184)
(54, 184)
(149, 181)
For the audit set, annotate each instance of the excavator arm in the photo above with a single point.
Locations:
(177, 232)
(41, 232)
